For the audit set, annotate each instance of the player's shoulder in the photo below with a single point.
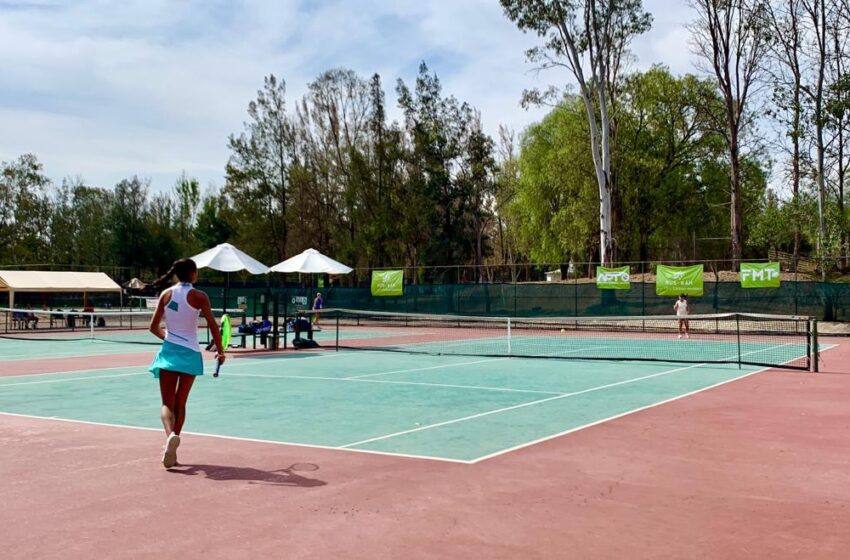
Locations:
(198, 296)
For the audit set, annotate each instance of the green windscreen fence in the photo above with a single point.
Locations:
(574, 299)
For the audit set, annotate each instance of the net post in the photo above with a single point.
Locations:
(91, 325)
(509, 335)
(738, 336)
(814, 353)
(285, 318)
(275, 324)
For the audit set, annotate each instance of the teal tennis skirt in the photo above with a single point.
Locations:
(176, 358)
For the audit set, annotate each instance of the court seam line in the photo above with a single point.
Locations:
(627, 413)
(423, 368)
(118, 352)
(354, 380)
(23, 375)
(530, 403)
(517, 406)
(614, 417)
(68, 380)
(237, 438)
(489, 360)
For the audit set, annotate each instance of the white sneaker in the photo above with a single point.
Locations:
(680, 336)
(687, 335)
(169, 456)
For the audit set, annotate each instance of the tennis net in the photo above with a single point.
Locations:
(737, 338)
(58, 325)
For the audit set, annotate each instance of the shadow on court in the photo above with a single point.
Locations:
(280, 477)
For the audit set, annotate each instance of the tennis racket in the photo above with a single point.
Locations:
(225, 339)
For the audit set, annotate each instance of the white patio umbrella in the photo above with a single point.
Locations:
(227, 258)
(311, 262)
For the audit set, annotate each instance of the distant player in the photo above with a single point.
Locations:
(179, 359)
(682, 309)
(317, 306)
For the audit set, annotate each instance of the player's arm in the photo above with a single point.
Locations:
(156, 320)
(202, 302)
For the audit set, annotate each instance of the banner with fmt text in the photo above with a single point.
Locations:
(760, 275)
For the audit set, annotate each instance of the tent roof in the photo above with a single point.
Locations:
(48, 281)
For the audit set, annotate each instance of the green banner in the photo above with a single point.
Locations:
(676, 280)
(387, 282)
(760, 275)
(612, 278)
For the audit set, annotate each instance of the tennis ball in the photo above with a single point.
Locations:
(563, 330)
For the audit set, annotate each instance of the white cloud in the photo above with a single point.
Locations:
(107, 90)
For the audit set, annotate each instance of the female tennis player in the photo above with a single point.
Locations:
(682, 308)
(317, 306)
(179, 360)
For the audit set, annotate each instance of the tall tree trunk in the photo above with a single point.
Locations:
(736, 205)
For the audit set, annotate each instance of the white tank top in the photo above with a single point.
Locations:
(682, 307)
(181, 319)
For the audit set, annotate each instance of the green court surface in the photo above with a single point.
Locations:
(442, 407)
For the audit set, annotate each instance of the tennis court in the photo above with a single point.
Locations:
(430, 449)
(450, 408)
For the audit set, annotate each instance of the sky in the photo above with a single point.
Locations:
(104, 90)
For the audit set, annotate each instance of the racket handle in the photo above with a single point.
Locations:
(217, 367)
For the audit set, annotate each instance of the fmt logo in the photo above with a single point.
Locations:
(761, 275)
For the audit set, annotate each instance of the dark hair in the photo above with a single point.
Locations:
(182, 268)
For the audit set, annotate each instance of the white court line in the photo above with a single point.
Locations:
(443, 366)
(356, 380)
(531, 403)
(489, 360)
(628, 412)
(237, 438)
(374, 452)
(517, 406)
(69, 379)
(118, 351)
(25, 375)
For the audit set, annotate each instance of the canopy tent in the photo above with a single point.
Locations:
(311, 262)
(13, 281)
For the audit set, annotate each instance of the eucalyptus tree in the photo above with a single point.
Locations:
(785, 69)
(731, 38)
(590, 39)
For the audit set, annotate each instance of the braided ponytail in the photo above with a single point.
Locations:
(182, 268)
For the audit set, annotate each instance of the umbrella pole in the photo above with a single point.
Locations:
(226, 286)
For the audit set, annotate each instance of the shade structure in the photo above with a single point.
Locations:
(49, 281)
(135, 284)
(311, 262)
(227, 258)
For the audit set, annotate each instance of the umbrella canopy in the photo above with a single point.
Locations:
(135, 284)
(227, 258)
(311, 262)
